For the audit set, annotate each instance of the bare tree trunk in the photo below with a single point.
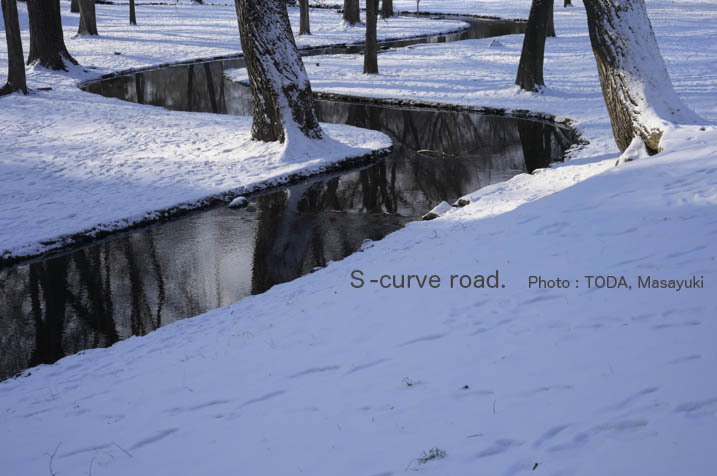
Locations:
(88, 18)
(567, 3)
(386, 8)
(530, 69)
(352, 12)
(16, 60)
(283, 102)
(132, 15)
(370, 60)
(304, 26)
(75, 6)
(637, 89)
(47, 43)
(551, 20)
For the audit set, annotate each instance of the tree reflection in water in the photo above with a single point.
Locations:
(139, 281)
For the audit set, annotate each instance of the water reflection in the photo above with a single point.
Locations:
(136, 282)
(145, 279)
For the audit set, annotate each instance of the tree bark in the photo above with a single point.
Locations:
(386, 8)
(132, 14)
(352, 12)
(88, 18)
(75, 6)
(283, 102)
(370, 60)
(47, 43)
(304, 25)
(16, 61)
(636, 87)
(551, 20)
(530, 69)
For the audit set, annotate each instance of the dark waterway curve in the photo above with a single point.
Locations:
(134, 282)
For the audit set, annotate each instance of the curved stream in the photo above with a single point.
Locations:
(134, 282)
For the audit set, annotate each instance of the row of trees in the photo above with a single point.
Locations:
(352, 10)
(632, 72)
(281, 91)
(47, 43)
(352, 16)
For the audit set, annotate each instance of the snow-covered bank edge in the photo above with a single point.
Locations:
(319, 377)
(558, 121)
(314, 50)
(65, 243)
(25, 207)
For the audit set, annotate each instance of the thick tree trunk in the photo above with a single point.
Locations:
(370, 61)
(304, 25)
(352, 12)
(88, 18)
(386, 8)
(47, 43)
(567, 3)
(637, 89)
(283, 102)
(16, 61)
(530, 69)
(75, 6)
(551, 21)
(132, 14)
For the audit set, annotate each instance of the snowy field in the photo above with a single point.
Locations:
(71, 161)
(319, 377)
(482, 72)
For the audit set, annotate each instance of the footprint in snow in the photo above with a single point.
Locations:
(549, 435)
(698, 408)
(264, 397)
(315, 370)
(582, 438)
(498, 447)
(630, 399)
(367, 365)
(422, 339)
(154, 438)
(686, 358)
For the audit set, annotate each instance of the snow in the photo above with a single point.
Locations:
(73, 162)
(317, 376)
(239, 202)
(437, 211)
(484, 76)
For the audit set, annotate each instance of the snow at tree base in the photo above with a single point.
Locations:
(562, 322)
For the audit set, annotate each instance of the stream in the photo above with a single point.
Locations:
(133, 282)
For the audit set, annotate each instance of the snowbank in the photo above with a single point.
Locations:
(320, 377)
(75, 163)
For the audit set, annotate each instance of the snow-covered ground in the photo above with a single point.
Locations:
(482, 72)
(319, 377)
(71, 161)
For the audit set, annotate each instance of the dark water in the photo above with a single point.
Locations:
(141, 280)
(135, 282)
(202, 86)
